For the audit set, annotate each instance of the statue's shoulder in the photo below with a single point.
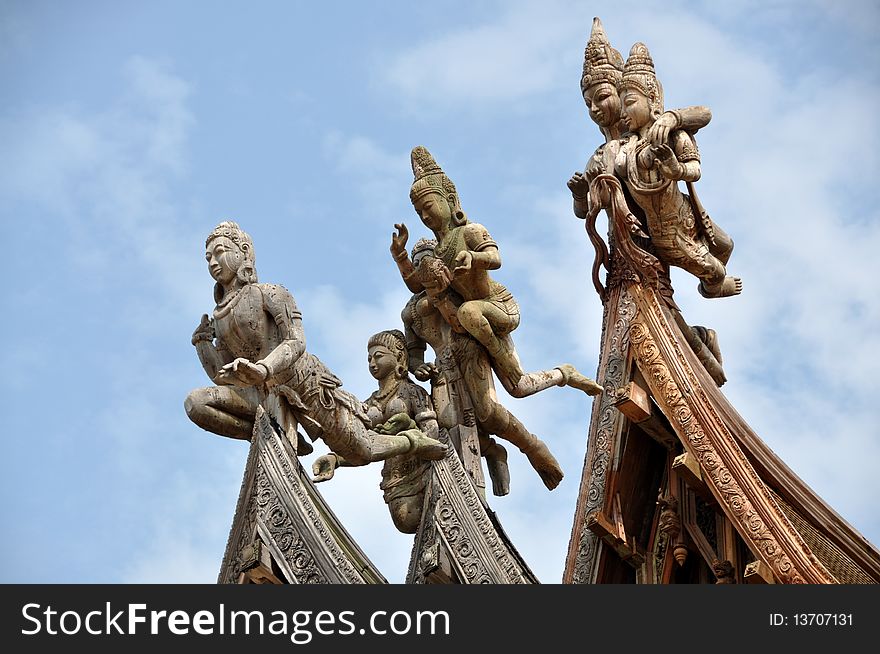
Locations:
(477, 236)
(273, 291)
(276, 297)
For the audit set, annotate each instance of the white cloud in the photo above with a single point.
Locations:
(519, 55)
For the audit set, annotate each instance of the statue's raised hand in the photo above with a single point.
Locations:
(670, 166)
(324, 467)
(395, 424)
(398, 241)
(464, 261)
(242, 372)
(205, 330)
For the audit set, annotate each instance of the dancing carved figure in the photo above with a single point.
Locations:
(398, 399)
(487, 311)
(681, 232)
(253, 349)
(464, 364)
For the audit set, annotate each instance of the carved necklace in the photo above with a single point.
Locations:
(381, 397)
(227, 302)
(449, 245)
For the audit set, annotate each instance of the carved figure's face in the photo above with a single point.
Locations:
(635, 109)
(603, 103)
(381, 361)
(417, 259)
(434, 210)
(224, 258)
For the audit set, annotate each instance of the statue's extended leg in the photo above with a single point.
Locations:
(224, 410)
(348, 435)
(573, 378)
(507, 426)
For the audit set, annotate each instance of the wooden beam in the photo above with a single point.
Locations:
(256, 567)
(758, 572)
(633, 402)
(607, 529)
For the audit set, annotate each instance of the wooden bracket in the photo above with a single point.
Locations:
(758, 572)
(256, 565)
(612, 532)
(688, 468)
(634, 402)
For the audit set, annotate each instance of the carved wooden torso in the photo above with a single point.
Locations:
(243, 326)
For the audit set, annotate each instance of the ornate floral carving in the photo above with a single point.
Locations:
(602, 436)
(471, 539)
(726, 469)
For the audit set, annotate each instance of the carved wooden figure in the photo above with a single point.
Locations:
(403, 476)
(458, 307)
(253, 348)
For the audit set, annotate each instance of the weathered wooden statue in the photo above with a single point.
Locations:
(253, 349)
(403, 476)
(466, 317)
(681, 232)
(601, 89)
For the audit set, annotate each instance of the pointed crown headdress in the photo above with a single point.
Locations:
(638, 74)
(428, 177)
(602, 63)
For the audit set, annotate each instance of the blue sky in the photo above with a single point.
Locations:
(130, 130)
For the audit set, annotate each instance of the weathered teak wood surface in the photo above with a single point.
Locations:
(280, 507)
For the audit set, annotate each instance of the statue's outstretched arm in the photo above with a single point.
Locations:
(688, 119)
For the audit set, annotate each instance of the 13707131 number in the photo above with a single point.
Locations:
(822, 619)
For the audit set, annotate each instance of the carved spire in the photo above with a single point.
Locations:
(638, 74)
(428, 177)
(602, 63)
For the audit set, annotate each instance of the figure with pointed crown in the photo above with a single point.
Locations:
(600, 88)
(459, 308)
(681, 232)
(253, 349)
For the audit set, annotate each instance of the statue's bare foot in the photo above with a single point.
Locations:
(424, 446)
(571, 377)
(730, 286)
(499, 473)
(545, 464)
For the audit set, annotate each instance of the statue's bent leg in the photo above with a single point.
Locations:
(496, 462)
(224, 410)
(723, 245)
(505, 425)
(489, 323)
